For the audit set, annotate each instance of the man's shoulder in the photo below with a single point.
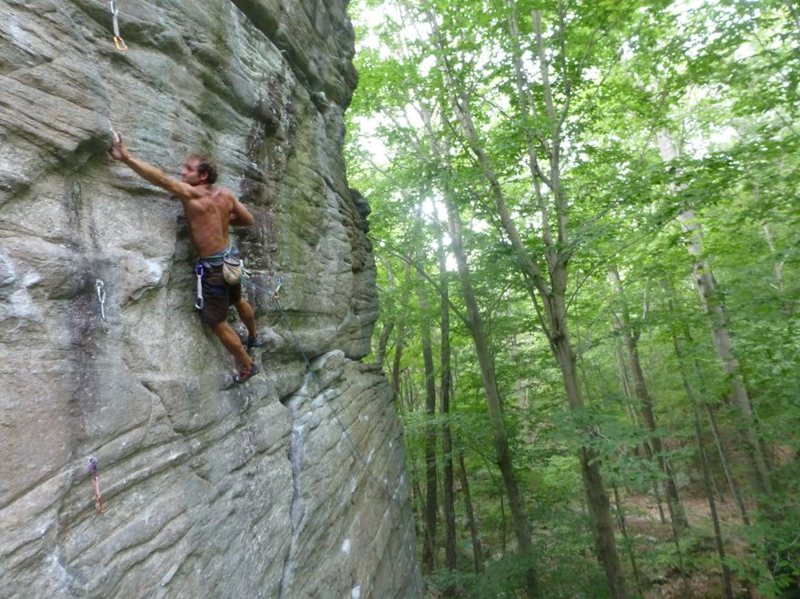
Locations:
(218, 191)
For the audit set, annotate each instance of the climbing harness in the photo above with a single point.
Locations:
(98, 498)
(101, 297)
(198, 301)
(118, 41)
(232, 270)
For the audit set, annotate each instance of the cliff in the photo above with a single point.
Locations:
(292, 485)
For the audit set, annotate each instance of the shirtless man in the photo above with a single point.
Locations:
(209, 210)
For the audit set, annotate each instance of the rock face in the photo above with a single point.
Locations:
(292, 485)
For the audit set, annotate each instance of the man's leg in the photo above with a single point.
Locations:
(248, 316)
(215, 311)
(232, 342)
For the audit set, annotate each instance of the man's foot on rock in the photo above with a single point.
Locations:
(254, 342)
(246, 374)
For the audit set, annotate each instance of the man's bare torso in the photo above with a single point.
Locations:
(209, 210)
(208, 217)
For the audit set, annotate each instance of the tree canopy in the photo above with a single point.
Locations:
(585, 220)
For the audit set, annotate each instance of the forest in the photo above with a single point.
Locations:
(586, 225)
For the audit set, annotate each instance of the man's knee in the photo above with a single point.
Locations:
(243, 307)
(221, 327)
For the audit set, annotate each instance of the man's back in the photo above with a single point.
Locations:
(209, 210)
(208, 217)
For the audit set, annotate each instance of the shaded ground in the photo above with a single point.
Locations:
(658, 560)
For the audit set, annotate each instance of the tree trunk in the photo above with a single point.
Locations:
(725, 463)
(596, 495)
(519, 519)
(472, 523)
(706, 287)
(445, 389)
(628, 541)
(399, 345)
(630, 339)
(557, 257)
(417, 499)
(686, 336)
(383, 342)
(431, 483)
(739, 397)
(475, 324)
(387, 327)
(712, 504)
(787, 307)
(704, 466)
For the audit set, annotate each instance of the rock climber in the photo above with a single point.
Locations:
(209, 210)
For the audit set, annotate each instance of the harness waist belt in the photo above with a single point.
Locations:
(211, 262)
(215, 260)
(218, 256)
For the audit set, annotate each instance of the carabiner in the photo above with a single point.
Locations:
(118, 41)
(198, 302)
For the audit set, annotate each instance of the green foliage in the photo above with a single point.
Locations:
(503, 578)
(663, 560)
(718, 80)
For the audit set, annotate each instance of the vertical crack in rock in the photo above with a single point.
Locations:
(297, 508)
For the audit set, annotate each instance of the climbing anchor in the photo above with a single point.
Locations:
(98, 498)
(118, 41)
(278, 283)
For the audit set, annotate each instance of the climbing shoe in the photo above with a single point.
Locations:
(253, 342)
(245, 374)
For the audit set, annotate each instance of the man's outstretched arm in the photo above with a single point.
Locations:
(240, 215)
(148, 172)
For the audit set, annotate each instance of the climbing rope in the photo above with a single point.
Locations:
(383, 485)
(95, 473)
(101, 297)
(118, 41)
(247, 280)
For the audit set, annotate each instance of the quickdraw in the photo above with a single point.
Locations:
(198, 302)
(100, 286)
(118, 41)
(98, 498)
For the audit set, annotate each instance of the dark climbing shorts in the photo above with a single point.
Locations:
(217, 294)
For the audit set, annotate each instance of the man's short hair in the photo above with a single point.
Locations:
(206, 165)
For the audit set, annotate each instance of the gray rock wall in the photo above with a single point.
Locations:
(292, 485)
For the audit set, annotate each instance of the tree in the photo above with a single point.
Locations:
(536, 125)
